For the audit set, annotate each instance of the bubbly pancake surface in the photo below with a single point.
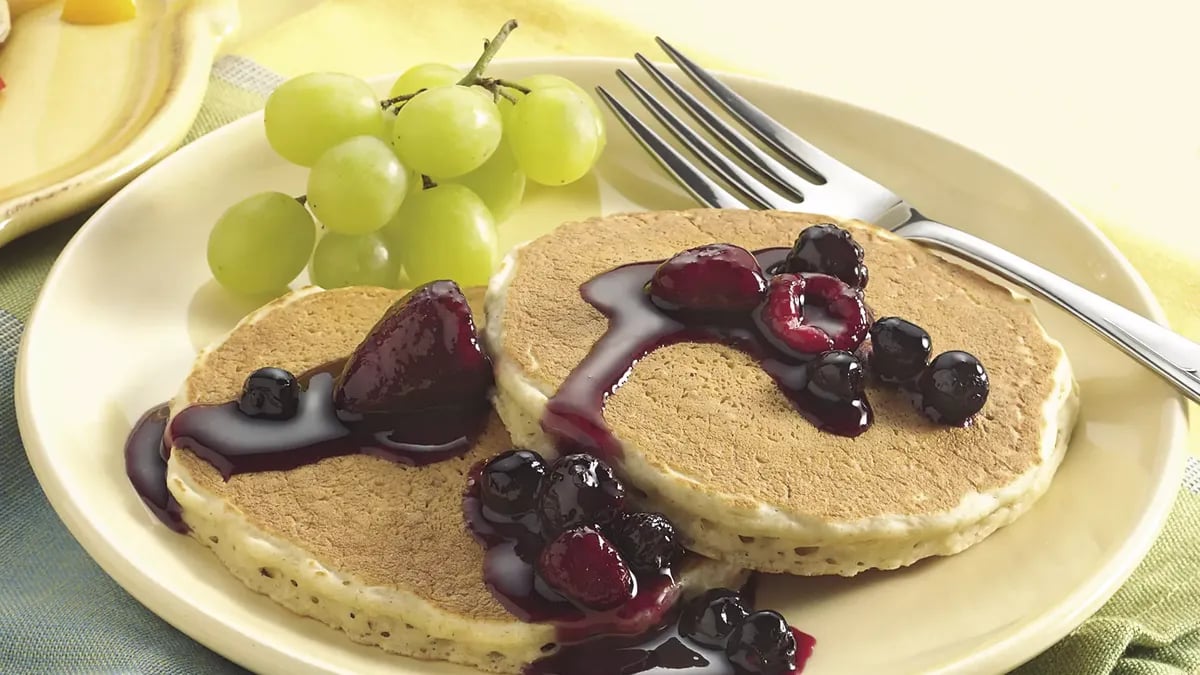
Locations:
(707, 418)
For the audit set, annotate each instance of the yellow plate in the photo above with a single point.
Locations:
(131, 301)
(86, 108)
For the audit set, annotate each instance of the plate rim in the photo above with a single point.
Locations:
(1009, 652)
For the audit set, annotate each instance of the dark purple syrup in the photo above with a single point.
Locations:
(662, 652)
(574, 416)
(237, 443)
(512, 546)
(146, 466)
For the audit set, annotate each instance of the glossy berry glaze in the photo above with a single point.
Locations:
(512, 545)
(661, 652)
(146, 467)
(574, 416)
(237, 443)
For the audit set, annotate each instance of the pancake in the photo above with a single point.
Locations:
(374, 548)
(709, 439)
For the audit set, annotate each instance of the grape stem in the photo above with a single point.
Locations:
(475, 76)
(490, 48)
(389, 102)
(511, 85)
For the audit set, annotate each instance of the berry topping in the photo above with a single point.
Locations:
(899, 349)
(835, 376)
(270, 393)
(423, 353)
(579, 490)
(584, 566)
(952, 388)
(647, 540)
(807, 314)
(713, 278)
(828, 249)
(763, 643)
(708, 619)
(510, 482)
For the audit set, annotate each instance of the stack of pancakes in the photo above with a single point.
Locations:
(380, 550)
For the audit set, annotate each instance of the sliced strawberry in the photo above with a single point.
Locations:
(423, 353)
(712, 278)
(781, 317)
(807, 314)
(844, 305)
(584, 566)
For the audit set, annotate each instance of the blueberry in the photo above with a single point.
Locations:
(899, 349)
(828, 249)
(708, 619)
(646, 540)
(270, 393)
(510, 482)
(835, 376)
(762, 644)
(579, 490)
(952, 388)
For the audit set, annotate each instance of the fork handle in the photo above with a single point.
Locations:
(1169, 354)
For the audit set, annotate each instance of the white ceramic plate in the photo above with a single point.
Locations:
(130, 302)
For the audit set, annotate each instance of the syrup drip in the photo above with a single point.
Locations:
(574, 416)
(237, 443)
(146, 467)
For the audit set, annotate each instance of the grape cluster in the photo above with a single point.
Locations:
(409, 190)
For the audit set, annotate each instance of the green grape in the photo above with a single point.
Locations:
(260, 243)
(309, 114)
(353, 260)
(554, 135)
(546, 81)
(445, 232)
(424, 76)
(357, 185)
(499, 183)
(447, 131)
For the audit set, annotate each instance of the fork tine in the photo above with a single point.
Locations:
(700, 186)
(771, 132)
(732, 173)
(782, 176)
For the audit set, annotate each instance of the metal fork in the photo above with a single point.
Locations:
(822, 184)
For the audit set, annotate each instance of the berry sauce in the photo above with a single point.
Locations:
(237, 443)
(234, 442)
(662, 652)
(146, 466)
(574, 416)
(512, 545)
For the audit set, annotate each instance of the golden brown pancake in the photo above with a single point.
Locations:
(372, 547)
(714, 444)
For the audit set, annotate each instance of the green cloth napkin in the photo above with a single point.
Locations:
(60, 613)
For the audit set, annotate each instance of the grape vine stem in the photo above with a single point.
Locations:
(490, 48)
(475, 77)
